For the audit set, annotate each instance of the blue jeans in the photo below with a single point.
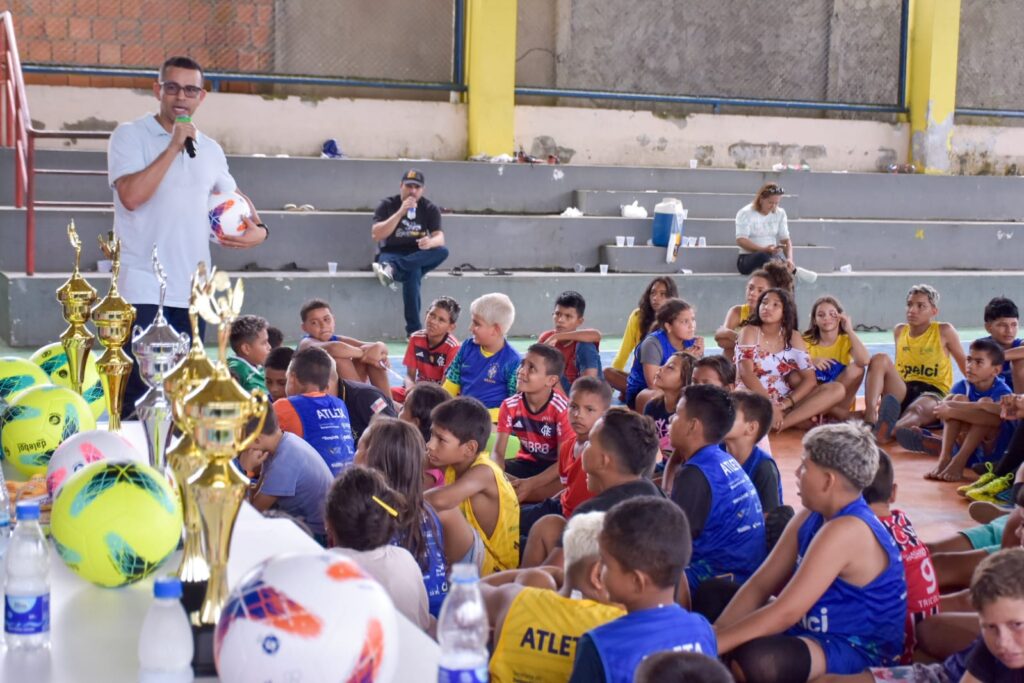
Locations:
(144, 315)
(409, 269)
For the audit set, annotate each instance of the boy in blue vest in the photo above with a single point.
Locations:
(753, 419)
(644, 548)
(485, 367)
(720, 501)
(311, 413)
(837, 574)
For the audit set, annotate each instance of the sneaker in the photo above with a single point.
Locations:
(990, 491)
(384, 275)
(984, 479)
(806, 276)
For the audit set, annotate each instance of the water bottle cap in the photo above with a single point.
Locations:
(464, 572)
(27, 510)
(167, 587)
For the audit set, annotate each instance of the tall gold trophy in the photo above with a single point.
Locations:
(76, 296)
(184, 458)
(113, 317)
(217, 416)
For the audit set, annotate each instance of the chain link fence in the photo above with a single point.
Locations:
(990, 66)
(385, 40)
(832, 51)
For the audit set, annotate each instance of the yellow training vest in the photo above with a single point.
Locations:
(924, 358)
(538, 639)
(744, 312)
(840, 351)
(502, 547)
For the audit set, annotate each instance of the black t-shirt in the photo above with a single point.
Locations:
(766, 480)
(984, 666)
(692, 492)
(403, 239)
(363, 402)
(604, 501)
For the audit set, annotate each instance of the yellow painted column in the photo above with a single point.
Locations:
(490, 75)
(931, 81)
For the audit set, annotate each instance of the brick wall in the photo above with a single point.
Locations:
(220, 34)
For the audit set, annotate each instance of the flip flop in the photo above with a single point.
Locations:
(888, 413)
(917, 441)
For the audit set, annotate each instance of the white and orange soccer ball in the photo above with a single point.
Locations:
(84, 448)
(226, 212)
(310, 617)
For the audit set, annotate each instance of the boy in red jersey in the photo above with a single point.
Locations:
(922, 585)
(539, 416)
(579, 347)
(432, 349)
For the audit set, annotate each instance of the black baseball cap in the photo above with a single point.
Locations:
(413, 177)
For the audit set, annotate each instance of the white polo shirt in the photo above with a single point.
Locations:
(175, 218)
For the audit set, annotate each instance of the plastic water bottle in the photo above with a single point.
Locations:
(411, 213)
(27, 585)
(165, 642)
(462, 630)
(5, 516)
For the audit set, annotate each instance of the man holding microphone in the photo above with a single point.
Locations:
(162, 171)
(407, 230)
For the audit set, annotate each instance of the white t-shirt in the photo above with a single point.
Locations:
(175, 218)
(762, 230)
(396, 570)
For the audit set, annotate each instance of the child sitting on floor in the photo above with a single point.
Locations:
(644, 548)
(753, 417)
(485, 366)
(1002, 320)
(838, 574)
(355, 360)
(432, 349)
(578, 347)
(474, 484)
(715, 370)
(836, 351)
(674, 329)
(904, 393)
(772, 275)
(421, 399)
(658, 291)
(997, 592)
(250, 345)
(670, 380)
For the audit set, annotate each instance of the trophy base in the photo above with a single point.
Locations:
(192, 594)
(202, 651)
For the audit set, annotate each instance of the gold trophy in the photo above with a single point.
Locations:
(76, 296)
(218, 416)
(113, 317)
(184, 458)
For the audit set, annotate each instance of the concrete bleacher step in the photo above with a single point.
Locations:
(358, 184)
(30, 316)
(697, 204)
(309, 240)
(644, 259)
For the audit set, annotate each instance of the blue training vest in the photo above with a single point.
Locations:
(857, 627)
(733, 540)
(625, 642)
(754, 461)
(327, 428)
(637, 381)
(435, 576)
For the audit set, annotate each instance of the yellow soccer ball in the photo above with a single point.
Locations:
(54, 362)
(39, 419)
(114, 523)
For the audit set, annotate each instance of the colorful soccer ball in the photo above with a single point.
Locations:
(310, 617)
(226, 212)
(18, 374)
(114, 523)
(39, 419)
(85, 448)
(54, 362)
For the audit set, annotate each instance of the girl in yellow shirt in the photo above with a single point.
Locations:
(837, 353)
(658, 291)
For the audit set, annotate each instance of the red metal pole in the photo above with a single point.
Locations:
(30, 210)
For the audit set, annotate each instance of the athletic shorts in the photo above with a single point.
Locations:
(916, 390)
(987, 537)
(917, 673)
(477, 552)
(840, 656)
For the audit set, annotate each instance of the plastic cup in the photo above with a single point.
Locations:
(604, 268)
(693, 163)
(579, 267)
(630, 240)
(620, 240)
(702, 241)
(332, 267)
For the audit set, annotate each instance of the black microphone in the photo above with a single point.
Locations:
(190, 144)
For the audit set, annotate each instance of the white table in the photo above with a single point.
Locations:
(94, 631)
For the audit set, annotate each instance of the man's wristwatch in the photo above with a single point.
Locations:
(264, 226)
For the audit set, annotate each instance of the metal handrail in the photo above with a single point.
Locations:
(19, 133)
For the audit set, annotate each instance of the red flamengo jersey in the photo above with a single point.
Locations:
(922, 586)
(572, 476)
(539, 433)
(430, 363)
